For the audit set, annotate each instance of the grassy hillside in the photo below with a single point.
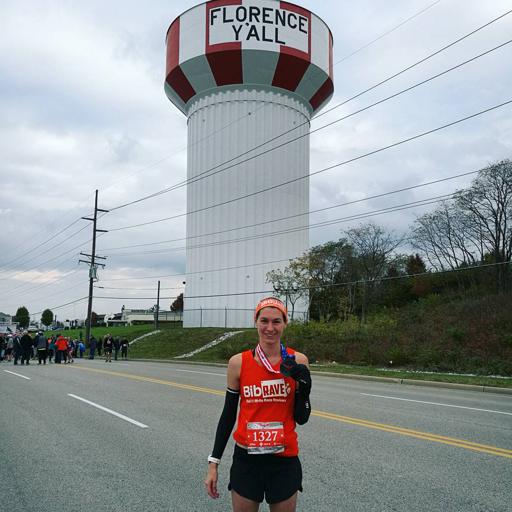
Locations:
(172, 342)
(433, 335)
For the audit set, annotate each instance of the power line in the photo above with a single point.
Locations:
(136, 298)
(390, 209)
(340, 164)
(181, 184)
(386, 33)
(348, 283)
(199, 271)
(17, 259)
(62, 305)
(138, 289)
(43, 285)
(309, 212)
(48, 261)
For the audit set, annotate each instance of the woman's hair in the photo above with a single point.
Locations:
(271, 302)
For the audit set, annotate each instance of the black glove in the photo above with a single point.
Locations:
(299, 372)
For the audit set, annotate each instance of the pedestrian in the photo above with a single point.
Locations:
(61, 344)
(108, 345)
(51, 348)
(124, 348)
(41, 344)
(70, 350)
(17, 349)
(273, 384)
(9, 348)
(26, 347)
(117, 346)
(92, 347)
(3, 345)
(99, 346)
(81, 349)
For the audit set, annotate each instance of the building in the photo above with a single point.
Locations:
(6, 324)
(249, 76)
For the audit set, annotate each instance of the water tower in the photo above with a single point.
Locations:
(244, 72)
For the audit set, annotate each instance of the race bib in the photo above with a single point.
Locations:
(265, 437)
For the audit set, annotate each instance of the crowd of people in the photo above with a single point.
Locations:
(21, 347)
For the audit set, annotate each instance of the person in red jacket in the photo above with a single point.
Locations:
(61, 347)
(273, 385)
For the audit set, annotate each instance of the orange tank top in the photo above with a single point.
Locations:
(267, 398)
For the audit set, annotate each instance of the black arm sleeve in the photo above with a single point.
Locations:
(226, 422)
(302, 407)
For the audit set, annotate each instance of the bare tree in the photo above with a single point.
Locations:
(487, 206)
(441, 236)
(474, 227)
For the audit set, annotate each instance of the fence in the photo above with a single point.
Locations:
(229, 317)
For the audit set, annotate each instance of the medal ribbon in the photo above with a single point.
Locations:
(265, 362)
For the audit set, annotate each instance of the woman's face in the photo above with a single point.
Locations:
(270, 325)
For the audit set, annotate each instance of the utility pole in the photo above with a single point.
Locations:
(157, 306)
(93, 265)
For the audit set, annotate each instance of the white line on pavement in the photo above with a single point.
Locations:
(203, 373)
(436, 403)
(122, 416)
(18, 375)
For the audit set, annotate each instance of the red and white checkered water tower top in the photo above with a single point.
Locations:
(261, 44)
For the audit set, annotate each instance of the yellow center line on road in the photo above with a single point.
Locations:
(154, 381)
(460, 443)
(426, 436)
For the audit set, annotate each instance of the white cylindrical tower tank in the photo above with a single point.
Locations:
(245, 72)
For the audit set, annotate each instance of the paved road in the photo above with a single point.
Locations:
(368, 446)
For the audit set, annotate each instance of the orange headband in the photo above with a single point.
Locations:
(271, 302)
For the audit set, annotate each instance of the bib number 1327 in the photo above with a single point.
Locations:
(265, 437)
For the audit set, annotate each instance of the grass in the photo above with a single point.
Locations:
(174, 341)
(477, 380)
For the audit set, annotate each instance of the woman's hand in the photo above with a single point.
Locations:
(210, 481)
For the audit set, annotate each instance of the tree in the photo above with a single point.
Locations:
(327, 265)
(442, 236)
(177, 305)
(373, 248)
(94, 319)
(47, 317)
(23, 317)
(487, 206)
(289, 284)
(473, 228)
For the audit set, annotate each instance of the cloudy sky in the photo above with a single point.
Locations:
(82, 107)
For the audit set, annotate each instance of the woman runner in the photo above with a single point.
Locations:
(273, 385)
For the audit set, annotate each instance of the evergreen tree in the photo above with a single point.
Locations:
(22, 317)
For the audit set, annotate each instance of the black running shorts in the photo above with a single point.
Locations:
(270, 476)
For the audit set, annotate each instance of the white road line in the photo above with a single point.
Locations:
(203, 373)
(436, 403)
(18, 375)
(122, 416)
